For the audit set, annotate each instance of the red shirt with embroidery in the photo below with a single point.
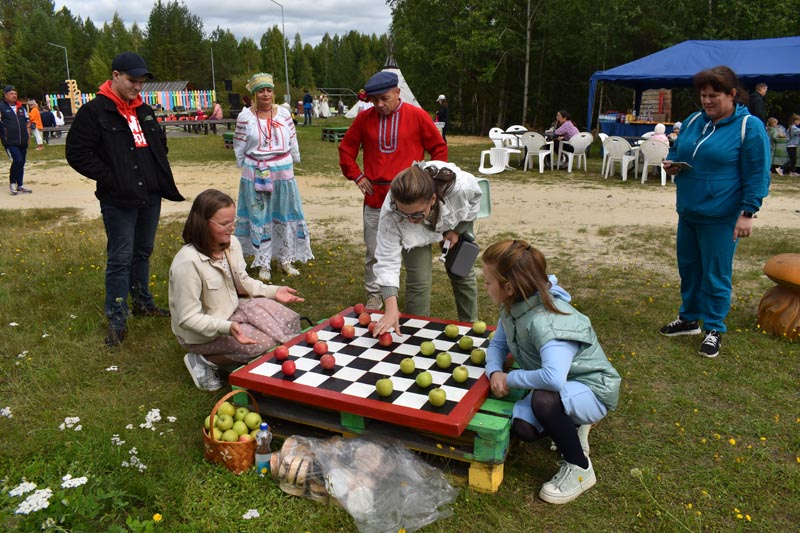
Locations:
(391, 144)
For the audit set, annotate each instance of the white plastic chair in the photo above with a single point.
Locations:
(536, 146)
(486, 198)
(580, 142)
(653, 153)
(619, 149)
(496, 136)
(498, 160)
(603, 137)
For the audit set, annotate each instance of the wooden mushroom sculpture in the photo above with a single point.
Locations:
(779, 309)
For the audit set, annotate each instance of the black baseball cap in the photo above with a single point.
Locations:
(131, 64)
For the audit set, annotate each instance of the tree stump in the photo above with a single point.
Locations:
(779, 309)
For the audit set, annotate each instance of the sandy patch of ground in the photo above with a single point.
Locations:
(569, 213)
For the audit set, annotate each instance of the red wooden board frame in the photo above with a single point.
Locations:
(451, 424)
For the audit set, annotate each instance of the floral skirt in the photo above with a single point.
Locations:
(271, 224)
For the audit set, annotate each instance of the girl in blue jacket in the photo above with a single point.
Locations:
(718, 194)
(571, 382)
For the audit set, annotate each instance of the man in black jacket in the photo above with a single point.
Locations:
(14, 136)
(116, 141)
(756, 105)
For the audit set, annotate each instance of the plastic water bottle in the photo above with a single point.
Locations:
(263, 451)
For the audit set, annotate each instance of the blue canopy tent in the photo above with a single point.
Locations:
(772, 61)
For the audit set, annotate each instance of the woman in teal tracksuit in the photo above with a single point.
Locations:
(717, 198)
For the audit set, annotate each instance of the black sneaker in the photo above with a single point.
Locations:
(680, 327)
(115, 336)
(711, 344)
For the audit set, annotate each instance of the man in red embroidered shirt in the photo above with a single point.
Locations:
(116, 141)
(393, 134)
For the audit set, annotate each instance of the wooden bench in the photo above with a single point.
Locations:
(333, 134)
(476, 457)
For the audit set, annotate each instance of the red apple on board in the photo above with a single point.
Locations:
(385, 339)
(311, 337)
(320, 347)
(327, 361)
(371, 326)
(337, 321)
(359, 308)
(288, 368)
(364, 319)
(348, 331)
(281, 353)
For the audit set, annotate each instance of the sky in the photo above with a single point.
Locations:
(249, 18)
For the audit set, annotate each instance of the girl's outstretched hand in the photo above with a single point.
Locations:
(287, 295)
(238, 334)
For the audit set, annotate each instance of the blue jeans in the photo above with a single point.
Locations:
(306, 116)
(131, 234)
(17, 155)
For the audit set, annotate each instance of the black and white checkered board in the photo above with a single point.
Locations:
(362, 361)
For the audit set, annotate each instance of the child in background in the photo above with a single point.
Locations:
(793, 134)
(658, 134)
(774, 134)
(571, 382)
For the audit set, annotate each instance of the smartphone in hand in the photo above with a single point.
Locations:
(680, 164)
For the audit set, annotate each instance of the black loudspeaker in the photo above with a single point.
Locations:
(65, 105)
(62, 88)
(228, 85)
(234, 101)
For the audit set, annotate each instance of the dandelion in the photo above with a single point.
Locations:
(251, 513)
(23, 488)
(70, 482)
(6, 412)
(732, 442)
(157, 518)
(35, 502)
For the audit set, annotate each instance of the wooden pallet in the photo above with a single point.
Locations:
(476, 457)
(333, 134)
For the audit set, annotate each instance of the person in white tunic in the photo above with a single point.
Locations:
(427, 203)
(270, 221)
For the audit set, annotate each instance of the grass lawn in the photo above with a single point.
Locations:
(696, 444)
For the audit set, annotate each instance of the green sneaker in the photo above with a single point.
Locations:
(570, 482)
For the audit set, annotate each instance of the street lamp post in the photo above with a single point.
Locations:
(66, 59)
(287, 97)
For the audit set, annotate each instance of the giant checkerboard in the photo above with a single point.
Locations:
(362, 361)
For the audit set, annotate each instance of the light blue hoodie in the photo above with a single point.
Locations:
(728, 175)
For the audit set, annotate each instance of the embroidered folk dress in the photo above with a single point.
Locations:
(269, 216)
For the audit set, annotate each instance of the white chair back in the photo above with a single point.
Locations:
(516, 128)
(496, 136)
(616, 149)
(536, 146)
(654, 151)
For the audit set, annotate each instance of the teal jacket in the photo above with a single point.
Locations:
(529, 326)
(729, 174)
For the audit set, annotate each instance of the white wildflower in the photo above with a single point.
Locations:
(112, 368)
(73, 317)
(6, 412)
(45, 335)
(251, 513)
(70, 482)
(129, 426)
(35, 502)
(23, 488)
(71, 422)
(116, 441)
(13, 324)
(22, 355)
(172, 419)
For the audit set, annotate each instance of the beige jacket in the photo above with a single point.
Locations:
(202, 297)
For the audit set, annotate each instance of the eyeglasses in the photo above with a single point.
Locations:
(412, 217)
(226, 227)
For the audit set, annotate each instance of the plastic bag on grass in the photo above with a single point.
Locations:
(381, 484)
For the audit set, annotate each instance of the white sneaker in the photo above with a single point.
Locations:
(264, 274)
(570, 482)
(287, 267)
(12, 189)
(204, 373)
(779, 171)
(374, 300)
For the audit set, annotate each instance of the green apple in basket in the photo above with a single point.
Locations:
(253, 420)
(224, 422)
(240, 427)
(226, 408)
(240, 413)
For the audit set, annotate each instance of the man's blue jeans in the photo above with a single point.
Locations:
(131, 234)
(18, 155)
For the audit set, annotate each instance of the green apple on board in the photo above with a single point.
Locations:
(465, 343)
(451, 330)
(479, 327)
(437, 397)
(427, 348)
(443, 360)
(407, 365)
(477, 356)
(384, 387)
(460, 374)
(424, 379)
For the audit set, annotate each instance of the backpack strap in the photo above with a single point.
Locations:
(744, 126)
